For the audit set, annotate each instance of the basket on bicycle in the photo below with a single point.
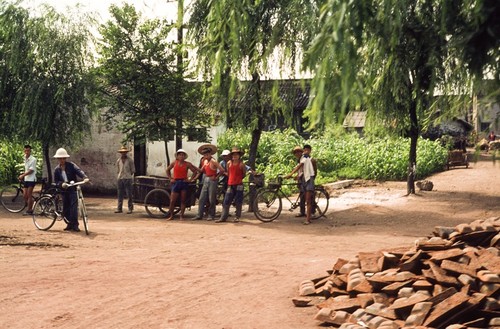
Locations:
(275, 184)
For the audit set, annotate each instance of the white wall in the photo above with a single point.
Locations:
(157, 160)
(99, 152)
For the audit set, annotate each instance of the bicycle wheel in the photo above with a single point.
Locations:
(83, 213)
(157, 203)
(267, 205)
(12, 198)
(44, 213)
(321, 200)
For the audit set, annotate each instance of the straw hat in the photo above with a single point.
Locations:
(181, 151)
(61, 153)
(225, 152)
(207, 147)
(123, 149)
(297, 149)
(237, 150)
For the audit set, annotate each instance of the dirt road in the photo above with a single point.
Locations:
(135, 272)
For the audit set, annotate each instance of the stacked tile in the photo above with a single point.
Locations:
(450, 280)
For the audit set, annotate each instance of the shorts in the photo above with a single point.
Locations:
(180, 185)
(29, 184)
(309, 185)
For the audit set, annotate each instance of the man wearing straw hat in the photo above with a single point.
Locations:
(125, 170)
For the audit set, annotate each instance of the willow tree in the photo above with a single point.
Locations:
(45, 60)
(144, 81)
(248, 40)
(390, 57)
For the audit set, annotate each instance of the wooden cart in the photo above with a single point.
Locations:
(154, 193)
(457, 158)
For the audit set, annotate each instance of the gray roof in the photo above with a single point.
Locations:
(355, 119)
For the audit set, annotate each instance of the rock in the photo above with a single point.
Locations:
(425, 185)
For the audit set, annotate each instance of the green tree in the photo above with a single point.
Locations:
(248, 40)
(389, 57)
(44, 60)
(145, 89)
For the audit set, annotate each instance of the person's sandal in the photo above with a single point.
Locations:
(306, 223)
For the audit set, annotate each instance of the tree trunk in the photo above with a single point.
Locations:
(256, 133)
(412, 159)
(46, 158)
(178, 131)
(165, 141)
(180, 68)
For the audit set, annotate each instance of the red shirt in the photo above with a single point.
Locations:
(180, 170)
(207, 168)
(236, 173)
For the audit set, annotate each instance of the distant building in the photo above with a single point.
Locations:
(355, 121)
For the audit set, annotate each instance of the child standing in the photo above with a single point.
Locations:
(236, 171)
(180, 181)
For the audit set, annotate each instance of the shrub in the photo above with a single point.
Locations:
(341, 156)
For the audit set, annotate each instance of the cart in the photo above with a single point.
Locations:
(154, 193)
(457, 158)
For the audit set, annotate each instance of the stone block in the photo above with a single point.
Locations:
(418, 314)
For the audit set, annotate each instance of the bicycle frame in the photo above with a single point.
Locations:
(269, 204)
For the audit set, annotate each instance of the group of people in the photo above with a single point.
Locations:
(231, 171)
(65, 172)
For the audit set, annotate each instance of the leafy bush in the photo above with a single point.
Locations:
(340, 156)
(12, 161)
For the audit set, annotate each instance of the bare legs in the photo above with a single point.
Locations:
(28, 192)
(173, 201)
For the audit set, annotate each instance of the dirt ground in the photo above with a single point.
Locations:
(137, 272)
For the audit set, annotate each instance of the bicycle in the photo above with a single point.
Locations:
(48, 208)
(268, 202)
(12, 196)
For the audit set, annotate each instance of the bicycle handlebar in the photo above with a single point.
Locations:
(72, 183)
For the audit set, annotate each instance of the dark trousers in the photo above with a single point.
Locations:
(125, 187)
(233, 193)
(70, 207)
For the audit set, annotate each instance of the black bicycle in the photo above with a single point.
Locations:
(12, 196)
(48, 208)
(268, 202)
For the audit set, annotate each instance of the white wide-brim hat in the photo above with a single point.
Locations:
(181, 151)
(61, 153)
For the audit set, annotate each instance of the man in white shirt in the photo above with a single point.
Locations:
(307, 165)
(28, 178)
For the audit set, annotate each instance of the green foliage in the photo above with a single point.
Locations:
(45, 60)
(143, 82)
(248, 40)
(10, 157)
(341, 157)
(12, 160)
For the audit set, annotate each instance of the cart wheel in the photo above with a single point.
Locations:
(157, 203)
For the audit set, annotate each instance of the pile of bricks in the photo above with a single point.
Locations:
(450, 280)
